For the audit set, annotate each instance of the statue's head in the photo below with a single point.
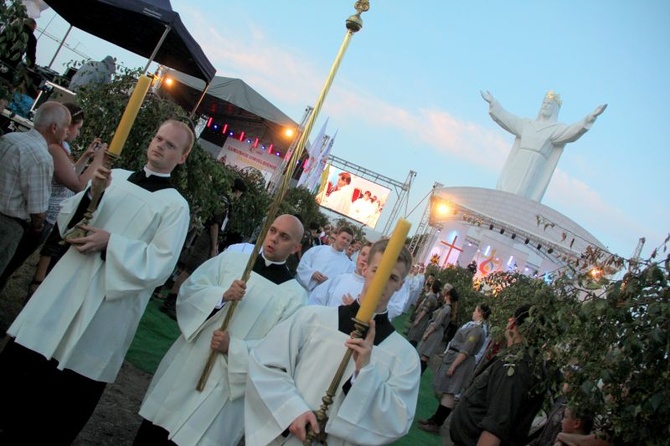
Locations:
(551, 105)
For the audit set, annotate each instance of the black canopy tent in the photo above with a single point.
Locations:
(149, 28)
(233, 102)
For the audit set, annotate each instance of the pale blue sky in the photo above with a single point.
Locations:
(407, 94)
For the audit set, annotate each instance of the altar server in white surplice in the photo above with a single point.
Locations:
(73, 334)
(342, 289)
(174, 411)
(321, 263)
(398, 301)
(290, 371)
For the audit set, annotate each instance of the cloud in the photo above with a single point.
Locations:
(285, 77)
(466, 140)
(290, 81)
(248, 52)
(438, 129)
(611, 225)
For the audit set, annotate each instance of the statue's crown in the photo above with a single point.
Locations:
(554, 97)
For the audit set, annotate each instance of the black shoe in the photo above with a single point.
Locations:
(431, 428)
(424, 422)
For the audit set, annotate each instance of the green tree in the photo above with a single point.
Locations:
(618, 336)
(357, 229)
(252, 207)
(13, 41)
(299, 200)
(611, 337)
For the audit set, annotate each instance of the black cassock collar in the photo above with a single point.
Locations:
(346, 313)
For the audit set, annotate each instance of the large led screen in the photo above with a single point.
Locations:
(353, 196)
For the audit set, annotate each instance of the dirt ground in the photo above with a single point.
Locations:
(115, 420)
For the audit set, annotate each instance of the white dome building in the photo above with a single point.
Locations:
(501, 231)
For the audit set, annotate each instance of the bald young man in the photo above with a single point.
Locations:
(174, 411)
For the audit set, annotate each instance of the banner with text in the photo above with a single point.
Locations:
(243, 155)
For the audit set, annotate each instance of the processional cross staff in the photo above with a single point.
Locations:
(374, 292)
(353, 24)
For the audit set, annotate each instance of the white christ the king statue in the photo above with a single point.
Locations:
(538, 144)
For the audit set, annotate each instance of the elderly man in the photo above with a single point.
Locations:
(73, 334)
(174, 411)
(25, 177)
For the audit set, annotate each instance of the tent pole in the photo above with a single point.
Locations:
(202, 96)
(158, 46)
(60, 45)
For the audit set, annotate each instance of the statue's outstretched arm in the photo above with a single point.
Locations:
(488, 97)
(597, 112)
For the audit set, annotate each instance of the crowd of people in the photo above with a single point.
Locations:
(272, 335)
(490, 399)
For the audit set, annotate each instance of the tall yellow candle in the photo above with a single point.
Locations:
(129, 115)
(389, 259)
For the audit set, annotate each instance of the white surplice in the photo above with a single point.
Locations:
(397, 302)
(324, 259)
(331, 292)
(86, 312)
(290, 371)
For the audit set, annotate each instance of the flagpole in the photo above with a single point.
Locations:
(316, 177)
(354, 24)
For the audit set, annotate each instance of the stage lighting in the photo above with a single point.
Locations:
(527, 240)
(491, 227)
(502, 231)
(513, 236)
(440, 209)
(550, 250)
(539, 246)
